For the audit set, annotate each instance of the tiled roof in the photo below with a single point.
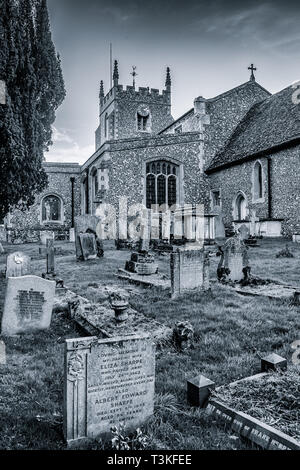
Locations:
(271, 123)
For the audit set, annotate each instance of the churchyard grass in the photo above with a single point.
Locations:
(232, 332)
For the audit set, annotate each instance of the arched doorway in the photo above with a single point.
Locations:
(240, 207)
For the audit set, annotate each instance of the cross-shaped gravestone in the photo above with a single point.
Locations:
(252, 68)
(253, 220)
(50, 257)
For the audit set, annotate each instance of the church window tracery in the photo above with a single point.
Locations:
(161, 183)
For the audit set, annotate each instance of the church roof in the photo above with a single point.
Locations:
(268, 126)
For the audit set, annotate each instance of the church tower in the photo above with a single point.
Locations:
(130, 113)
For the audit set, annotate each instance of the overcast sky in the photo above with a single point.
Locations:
(207, 44)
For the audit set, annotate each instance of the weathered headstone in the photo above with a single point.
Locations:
(253, 220)
(83, 223)
(235, 256)
(88, 246)
(1, 249)
(244, 231)
(219, 223)
(28, 305)
(107, 382)
(18, 264)
(50, 257)
(45, 236)
(189, 271)
(72, 235)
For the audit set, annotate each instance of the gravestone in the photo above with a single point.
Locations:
(107, 382)
(189, 271)
(234, 256)
(253, 220)
(28, 305)
(1, 249)
(88, 246)
(72, 235)
(18, 264)
(219, 223)
(83, 224)
(50, 274)
(50, 257)
(46, 235)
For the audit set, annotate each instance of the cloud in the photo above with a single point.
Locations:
(66, 150)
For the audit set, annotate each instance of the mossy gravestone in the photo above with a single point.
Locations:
(107, 382)
(28, 305)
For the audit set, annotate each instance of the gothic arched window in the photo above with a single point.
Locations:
(161, 183)
(106, 125)
(95, 185)
(52, 209)
(257, 181)
(240, 207)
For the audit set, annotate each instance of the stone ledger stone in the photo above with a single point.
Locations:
(28, 305)
(107, 382)
(18, 264)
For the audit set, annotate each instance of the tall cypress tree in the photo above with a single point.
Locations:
(35, 89)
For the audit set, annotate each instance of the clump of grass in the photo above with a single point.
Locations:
(274, 399)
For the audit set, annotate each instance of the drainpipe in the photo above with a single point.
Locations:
(87, 193)
(270, 215)
(72, 201)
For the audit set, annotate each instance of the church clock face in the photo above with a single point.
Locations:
(143, 110)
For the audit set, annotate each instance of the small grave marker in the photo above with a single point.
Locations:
(28, 305)
(199, 390)
(272, 362)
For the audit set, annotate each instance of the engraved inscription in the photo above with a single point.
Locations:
(123, 387)
(29, 306)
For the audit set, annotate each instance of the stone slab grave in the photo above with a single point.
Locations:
(151, 280)
(18, 264)
(28, 305)
(189, 271)
(253, 429)
(98, 319)
(271, 290)
(107, 382)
